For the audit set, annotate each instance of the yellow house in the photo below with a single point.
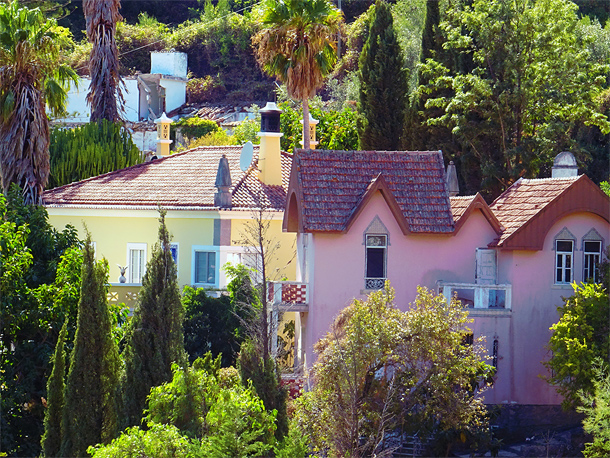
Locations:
(211, 196)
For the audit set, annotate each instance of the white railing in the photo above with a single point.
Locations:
(474, 295)
(289, 296)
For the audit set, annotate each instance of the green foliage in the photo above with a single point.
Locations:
(581, 335)
(605, 187)
(216, 138)
(206, 403)
(220, 48)
(335, 130)
(136, 42)
(196, 127)
(207, 89)
(211, 325)
(379, 367)
(294, 445)
(51, 440)
(90, 150)
(596, 407)
(30, 254)
(154, 339)
(158, 441)
(265, 377)
(513, 88)
(383, 85)
(90, 412)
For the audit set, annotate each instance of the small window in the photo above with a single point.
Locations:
(494, 355)
(376, 246)
(136, 262)
(564, 261)
(173, 247)
(592, 255)
(205, 267)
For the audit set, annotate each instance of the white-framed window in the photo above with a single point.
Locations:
(173, 247)
(136, 262)
(376, 257)
(205, 266)
(592, 255)
(564, 261)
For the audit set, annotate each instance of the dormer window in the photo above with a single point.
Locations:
(376, 248)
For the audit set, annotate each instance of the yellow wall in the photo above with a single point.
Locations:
(112, 230)
(283, 264)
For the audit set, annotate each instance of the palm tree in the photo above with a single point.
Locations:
(298, 46)
(102, 16)
(30, 79)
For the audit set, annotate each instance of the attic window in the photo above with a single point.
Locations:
(376, 247)
(564, 261)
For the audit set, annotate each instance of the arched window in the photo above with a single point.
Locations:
(592, 247)
(564, 256)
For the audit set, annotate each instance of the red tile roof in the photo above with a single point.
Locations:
(181, 181)
(459, 205)
(331, 184)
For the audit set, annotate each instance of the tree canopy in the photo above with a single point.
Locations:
(383, 85)
(31, 78)
(298, 46)
(379, 368)
(581, 336)
(515, 84)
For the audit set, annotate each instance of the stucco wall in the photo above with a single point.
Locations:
(336, 270)
(175, 93)
(283, 263)
(112, 230)
(535, 298)
(79, 111)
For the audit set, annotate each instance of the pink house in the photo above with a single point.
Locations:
(364, 217)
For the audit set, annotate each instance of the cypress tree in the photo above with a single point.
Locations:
(90, 411)
(51, 439)
(155, 338)
(383, 85)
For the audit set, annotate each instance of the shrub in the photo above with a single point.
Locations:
(90, 150)
(206, 89)
(196, 127)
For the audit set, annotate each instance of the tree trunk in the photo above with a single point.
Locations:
(306, 138)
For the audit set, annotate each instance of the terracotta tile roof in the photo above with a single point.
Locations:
(459, 205)
(333, 183)
(524, 200)
(181, 181)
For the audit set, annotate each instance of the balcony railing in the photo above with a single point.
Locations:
(124, 292)
(473, 295)
(289, 296)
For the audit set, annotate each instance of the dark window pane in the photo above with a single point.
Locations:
(593, 247)
(564, 245)
(374, 262)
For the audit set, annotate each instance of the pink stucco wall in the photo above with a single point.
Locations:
(336, 270)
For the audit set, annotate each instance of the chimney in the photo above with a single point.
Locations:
(269, 157)
(222, 198)
(564, 166)
(163, 140)
(453, 188)
(312, 132)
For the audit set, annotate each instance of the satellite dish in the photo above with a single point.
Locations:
(245, 159)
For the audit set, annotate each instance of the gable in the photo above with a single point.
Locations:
(529, 208)
(332, 187)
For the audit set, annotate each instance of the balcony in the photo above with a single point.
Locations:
(289, 296)
(477, 296)
(126, 293)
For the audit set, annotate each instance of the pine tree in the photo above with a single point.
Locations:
(90, 411)
(383, 85)
(155, 338)
(51, 440)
